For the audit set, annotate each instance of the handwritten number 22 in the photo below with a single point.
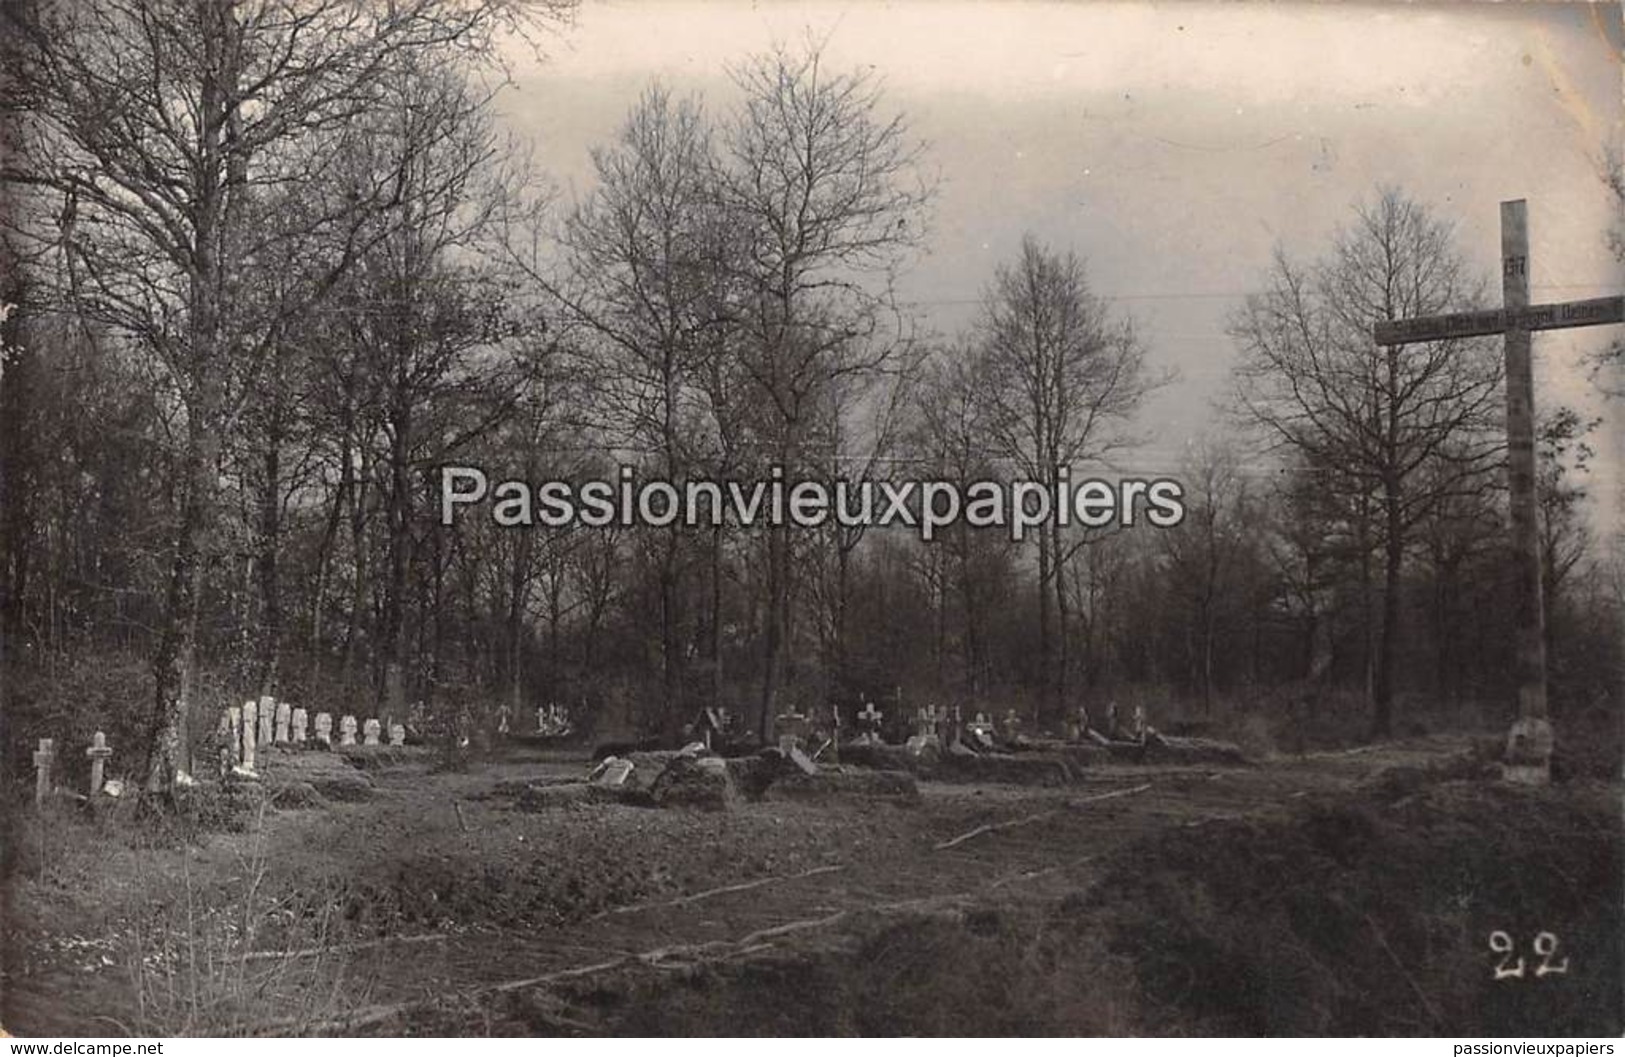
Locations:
(1545, 946)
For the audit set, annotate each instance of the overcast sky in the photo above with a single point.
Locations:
(1173, 145)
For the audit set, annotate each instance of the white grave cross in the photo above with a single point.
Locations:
(43, 757)
(98, 752)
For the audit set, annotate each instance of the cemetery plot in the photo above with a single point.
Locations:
(540, 879)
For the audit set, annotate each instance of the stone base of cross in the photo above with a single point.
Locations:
(1528, 758)
(790, 729)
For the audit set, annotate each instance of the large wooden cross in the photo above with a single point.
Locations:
(1529, 746)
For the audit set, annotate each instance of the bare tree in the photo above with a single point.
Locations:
(649, 255)
(1063, 380)
(1205, 554)
(950, 437)
(825, 192)
(163, 126)
(856, 432)
(1408, 425)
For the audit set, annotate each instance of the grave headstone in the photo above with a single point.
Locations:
(502, 719)
(397, 734)
(301, 725)
(324, 728)
(1137, 725)
(369, 731)
(284, 715)
(614, 772)
(347, 730)
(98, 752)
(44, 756)
(249, 740)
(266, 711)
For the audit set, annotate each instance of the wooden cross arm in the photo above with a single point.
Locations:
(1596, 311)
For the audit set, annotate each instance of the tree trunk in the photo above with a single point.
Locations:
(361, 563)
(270, 644)
(1063, 629)
(671, 648)
(204, 401)
(389, 678)
(1382, 718)
(177, 629)
(774, 632)
(1046, 646)
(518, 585)
(716, 617)
(324, 560)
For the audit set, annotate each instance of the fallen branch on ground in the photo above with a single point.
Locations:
(1110, 795)
(744, 886)
(992, 826)
(1030, 819)
(342, 948)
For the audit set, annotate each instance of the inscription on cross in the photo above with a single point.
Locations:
(1529, 744)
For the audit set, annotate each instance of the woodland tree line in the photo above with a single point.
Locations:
(268, 264)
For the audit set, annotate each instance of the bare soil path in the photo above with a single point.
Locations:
(454, 892)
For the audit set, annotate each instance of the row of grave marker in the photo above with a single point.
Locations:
(932, 720)
(242, 729)
(267, 721)
(552, 719)
(45, 761)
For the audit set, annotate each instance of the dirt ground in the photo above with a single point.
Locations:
(440, 904)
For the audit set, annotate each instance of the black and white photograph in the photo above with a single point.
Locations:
(811, 519)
